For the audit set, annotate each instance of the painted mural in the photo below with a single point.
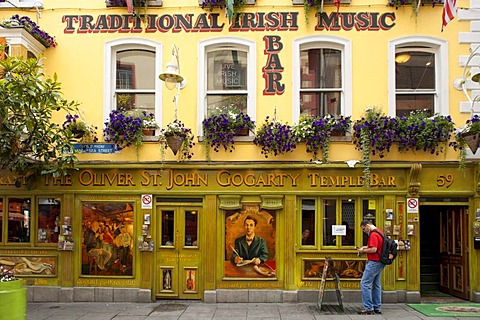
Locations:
(250, 243)
(107, 244)
(30, 265)
(349, 269)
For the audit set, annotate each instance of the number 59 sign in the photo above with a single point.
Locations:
(444, 180)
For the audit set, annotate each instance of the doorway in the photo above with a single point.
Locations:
(178, 254)
(443, 251)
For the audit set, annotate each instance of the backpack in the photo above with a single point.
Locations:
(389, 249)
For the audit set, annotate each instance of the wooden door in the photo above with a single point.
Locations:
(178, 254)
(454, 252)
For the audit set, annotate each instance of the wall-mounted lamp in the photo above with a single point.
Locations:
(172, 77)
(460, 83)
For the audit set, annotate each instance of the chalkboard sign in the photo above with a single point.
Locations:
(329, 264)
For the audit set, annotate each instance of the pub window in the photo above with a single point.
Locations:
(339, 222)
(48, 220)
(132, 71)
(308, 222)
(19, 218)
(416, 67)
(228, 66)
(321, 70)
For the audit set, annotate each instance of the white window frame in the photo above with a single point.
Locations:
(20, 36)
(27, 4)
(427, 44)
(111, 49)
(207, 45)
(315, 42)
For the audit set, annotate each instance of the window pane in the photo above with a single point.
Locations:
(168, 228)
(227, 70)
(321, 68)
(406, 103)
(418, 72)
(140, 101)
(48, 220)
(320, 103)
(191, 227)
(348, 219)
(308, 222)
(19, 215)
(135, 70)
(329, 219)
(222, 103)
(368, 213)
(1, 219)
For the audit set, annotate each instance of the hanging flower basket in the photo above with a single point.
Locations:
(472, 140)
(175, 143)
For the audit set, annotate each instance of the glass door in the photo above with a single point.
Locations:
(178, 253)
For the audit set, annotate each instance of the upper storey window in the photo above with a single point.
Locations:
(228, 66)
(227, 80)
(414, 81)
(131, 76)
(321, 77)
(416, 67)
(321, 82)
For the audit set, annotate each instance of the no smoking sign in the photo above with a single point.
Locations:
(412, 205)
(147, 200)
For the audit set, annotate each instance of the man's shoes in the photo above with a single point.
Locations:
(366, 312)
(377, 311)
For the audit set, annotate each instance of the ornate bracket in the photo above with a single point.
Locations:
(414, 184)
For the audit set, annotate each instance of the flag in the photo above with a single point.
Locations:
(337, 4)
(129, 6)
(449, 12)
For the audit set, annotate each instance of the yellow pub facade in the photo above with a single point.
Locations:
(141, 224)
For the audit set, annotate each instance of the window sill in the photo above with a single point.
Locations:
(151, 3)
(300, 2)
(247, 2)
(236, 139)
(151, 138)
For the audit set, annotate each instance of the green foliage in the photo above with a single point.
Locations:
(30, 143)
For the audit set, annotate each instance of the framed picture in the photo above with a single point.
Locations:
(107, 229)
(255, 228)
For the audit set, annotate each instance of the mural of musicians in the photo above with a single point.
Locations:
(249, 247)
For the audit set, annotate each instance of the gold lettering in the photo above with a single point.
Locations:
(85, 178)
(294, 179)
(249, 180)
(219, 178)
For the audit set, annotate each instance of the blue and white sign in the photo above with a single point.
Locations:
(94, 147)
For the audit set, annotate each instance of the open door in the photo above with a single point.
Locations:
(178, 255)
(454, 252)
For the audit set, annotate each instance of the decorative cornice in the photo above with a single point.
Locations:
(230, 202)
(273, 202)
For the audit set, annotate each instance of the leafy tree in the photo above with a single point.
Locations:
(32, 145)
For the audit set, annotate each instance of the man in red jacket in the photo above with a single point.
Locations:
(370, 284)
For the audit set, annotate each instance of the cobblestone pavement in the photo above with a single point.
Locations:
(193, 310)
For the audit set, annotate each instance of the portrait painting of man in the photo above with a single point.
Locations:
(250, 243)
